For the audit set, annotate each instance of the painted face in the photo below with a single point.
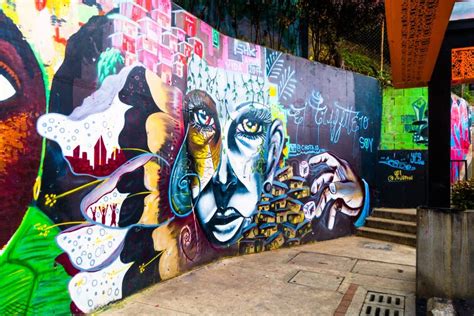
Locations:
(22, 99)
(228, 141)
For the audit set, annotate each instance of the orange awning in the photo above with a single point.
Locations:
(415, 30)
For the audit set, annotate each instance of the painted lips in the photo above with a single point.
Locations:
(225, 223)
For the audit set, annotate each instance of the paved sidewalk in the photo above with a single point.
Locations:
(324, 278)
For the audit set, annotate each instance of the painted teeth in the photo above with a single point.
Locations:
(229, 212)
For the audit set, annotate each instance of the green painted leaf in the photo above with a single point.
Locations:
(30, 282)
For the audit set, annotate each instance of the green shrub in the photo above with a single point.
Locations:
(462, 195)
(359, 59)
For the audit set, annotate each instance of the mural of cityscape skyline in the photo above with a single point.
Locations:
(137, 143)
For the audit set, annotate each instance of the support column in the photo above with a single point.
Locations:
(439, 129)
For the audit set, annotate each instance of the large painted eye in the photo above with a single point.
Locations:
(203, 118)
(253, 123)
(250, 126)
(7, 90)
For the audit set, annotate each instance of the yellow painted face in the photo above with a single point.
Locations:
(204, 141)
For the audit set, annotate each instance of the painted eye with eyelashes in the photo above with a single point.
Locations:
(202, 118)
(250, 126)
(200, 111)
(9, 83)
(253, 124)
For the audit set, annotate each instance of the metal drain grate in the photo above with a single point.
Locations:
(383, 304)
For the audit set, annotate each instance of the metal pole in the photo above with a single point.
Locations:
(381, 47)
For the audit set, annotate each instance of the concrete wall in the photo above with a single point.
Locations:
(166, 145)
(445, 254)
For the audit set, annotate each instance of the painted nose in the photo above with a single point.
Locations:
(224, 183)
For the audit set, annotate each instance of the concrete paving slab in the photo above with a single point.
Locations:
(241, 292)
(258, 284)
(317, 280)
(139, 309)
(386, 270)
(354, 247)
(284, 267)
(265, 261)
(327, 262)
(230, 289)
(382, 284)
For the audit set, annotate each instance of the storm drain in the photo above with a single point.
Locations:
(382, 304)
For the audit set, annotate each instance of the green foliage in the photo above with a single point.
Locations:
(278, 23)
(331, 22)
(463, 91)
(109, 63)
(30, 281)
(356, 58)
(268, 23)
(283, 24)
(462, 195)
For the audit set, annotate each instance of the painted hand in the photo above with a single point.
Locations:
(336, 188)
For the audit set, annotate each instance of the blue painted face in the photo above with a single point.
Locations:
(234, 146)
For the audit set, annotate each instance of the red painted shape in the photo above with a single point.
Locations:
(198, 49)
(190, 25)
(40, 4)
(63, 259)
(145, 4)
(75, 310)
(104, 163)
(57, 37)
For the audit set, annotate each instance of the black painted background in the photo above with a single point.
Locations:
(406, 194)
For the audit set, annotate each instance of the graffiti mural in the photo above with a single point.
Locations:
(401, 177)
(402, 154)
(22, 100)
(403, 146)
(404, 120)
(166, 145)
(461, 151)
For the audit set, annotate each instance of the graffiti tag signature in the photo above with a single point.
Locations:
(398, 176)
(338, 117)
